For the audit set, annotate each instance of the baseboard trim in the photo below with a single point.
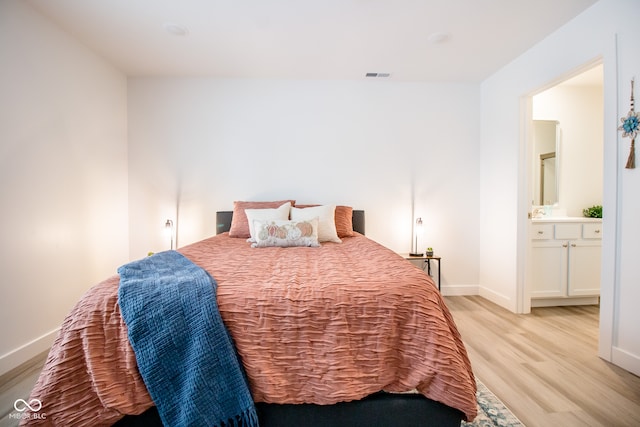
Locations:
(626, 360)
(459, 290)
(554, 302)
(26, 352)
(497, 298)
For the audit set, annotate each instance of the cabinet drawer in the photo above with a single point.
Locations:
(568, 231)
(592, 231)
(542, 231)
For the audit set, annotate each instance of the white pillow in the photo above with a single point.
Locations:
(326, 221)
(285, 233)
(281, 213)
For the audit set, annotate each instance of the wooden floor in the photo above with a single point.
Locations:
(544, 365)
(17, 384)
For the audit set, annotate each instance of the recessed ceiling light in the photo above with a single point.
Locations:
(175, 29)
(437, 38)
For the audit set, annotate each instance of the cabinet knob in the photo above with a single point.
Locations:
(573, 245)
(540, 232)
(597, 231)
(565, 245)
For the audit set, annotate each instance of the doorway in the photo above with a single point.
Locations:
(576, 104)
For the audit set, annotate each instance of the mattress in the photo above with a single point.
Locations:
(311, 325)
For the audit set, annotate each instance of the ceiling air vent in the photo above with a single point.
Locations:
(377, 75)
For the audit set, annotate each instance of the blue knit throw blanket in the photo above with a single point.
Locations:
(184, 353)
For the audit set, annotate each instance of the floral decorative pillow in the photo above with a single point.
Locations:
(281, 212)
(284, 233)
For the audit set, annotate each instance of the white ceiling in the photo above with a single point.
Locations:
(302, 39)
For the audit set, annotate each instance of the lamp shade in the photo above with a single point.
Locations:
(417, 229)
(168, 226)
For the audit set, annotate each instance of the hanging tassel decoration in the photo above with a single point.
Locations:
(630, 127)
(631, 161)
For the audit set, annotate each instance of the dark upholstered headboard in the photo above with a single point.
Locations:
(223, 221)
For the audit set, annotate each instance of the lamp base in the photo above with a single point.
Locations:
(415, 254)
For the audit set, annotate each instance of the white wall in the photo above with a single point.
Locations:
(197, 145)
(625, 295)
(608, 30)
(579, 112)
(63, 169)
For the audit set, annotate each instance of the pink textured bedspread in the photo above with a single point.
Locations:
(315, 325)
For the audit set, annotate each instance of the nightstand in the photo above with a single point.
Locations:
(422, 261)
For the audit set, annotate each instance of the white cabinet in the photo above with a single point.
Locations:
(584, 268)
(565, 262)
(549, 273)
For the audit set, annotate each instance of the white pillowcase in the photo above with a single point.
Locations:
(326, 220)
(280, 213)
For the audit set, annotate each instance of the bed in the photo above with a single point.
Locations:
(341, 334)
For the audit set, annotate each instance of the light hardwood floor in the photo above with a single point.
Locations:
(17, 384)
(544, 365)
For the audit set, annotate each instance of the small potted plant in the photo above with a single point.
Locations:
(429, 251)
(593, 212)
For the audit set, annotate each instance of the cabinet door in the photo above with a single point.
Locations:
(549, 275)
(584, 267)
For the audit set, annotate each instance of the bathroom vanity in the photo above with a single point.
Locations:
(565, 261)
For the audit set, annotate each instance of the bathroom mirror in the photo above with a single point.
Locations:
(546, 139)
(548, 181)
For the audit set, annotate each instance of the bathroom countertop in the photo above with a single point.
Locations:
(566, 219)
